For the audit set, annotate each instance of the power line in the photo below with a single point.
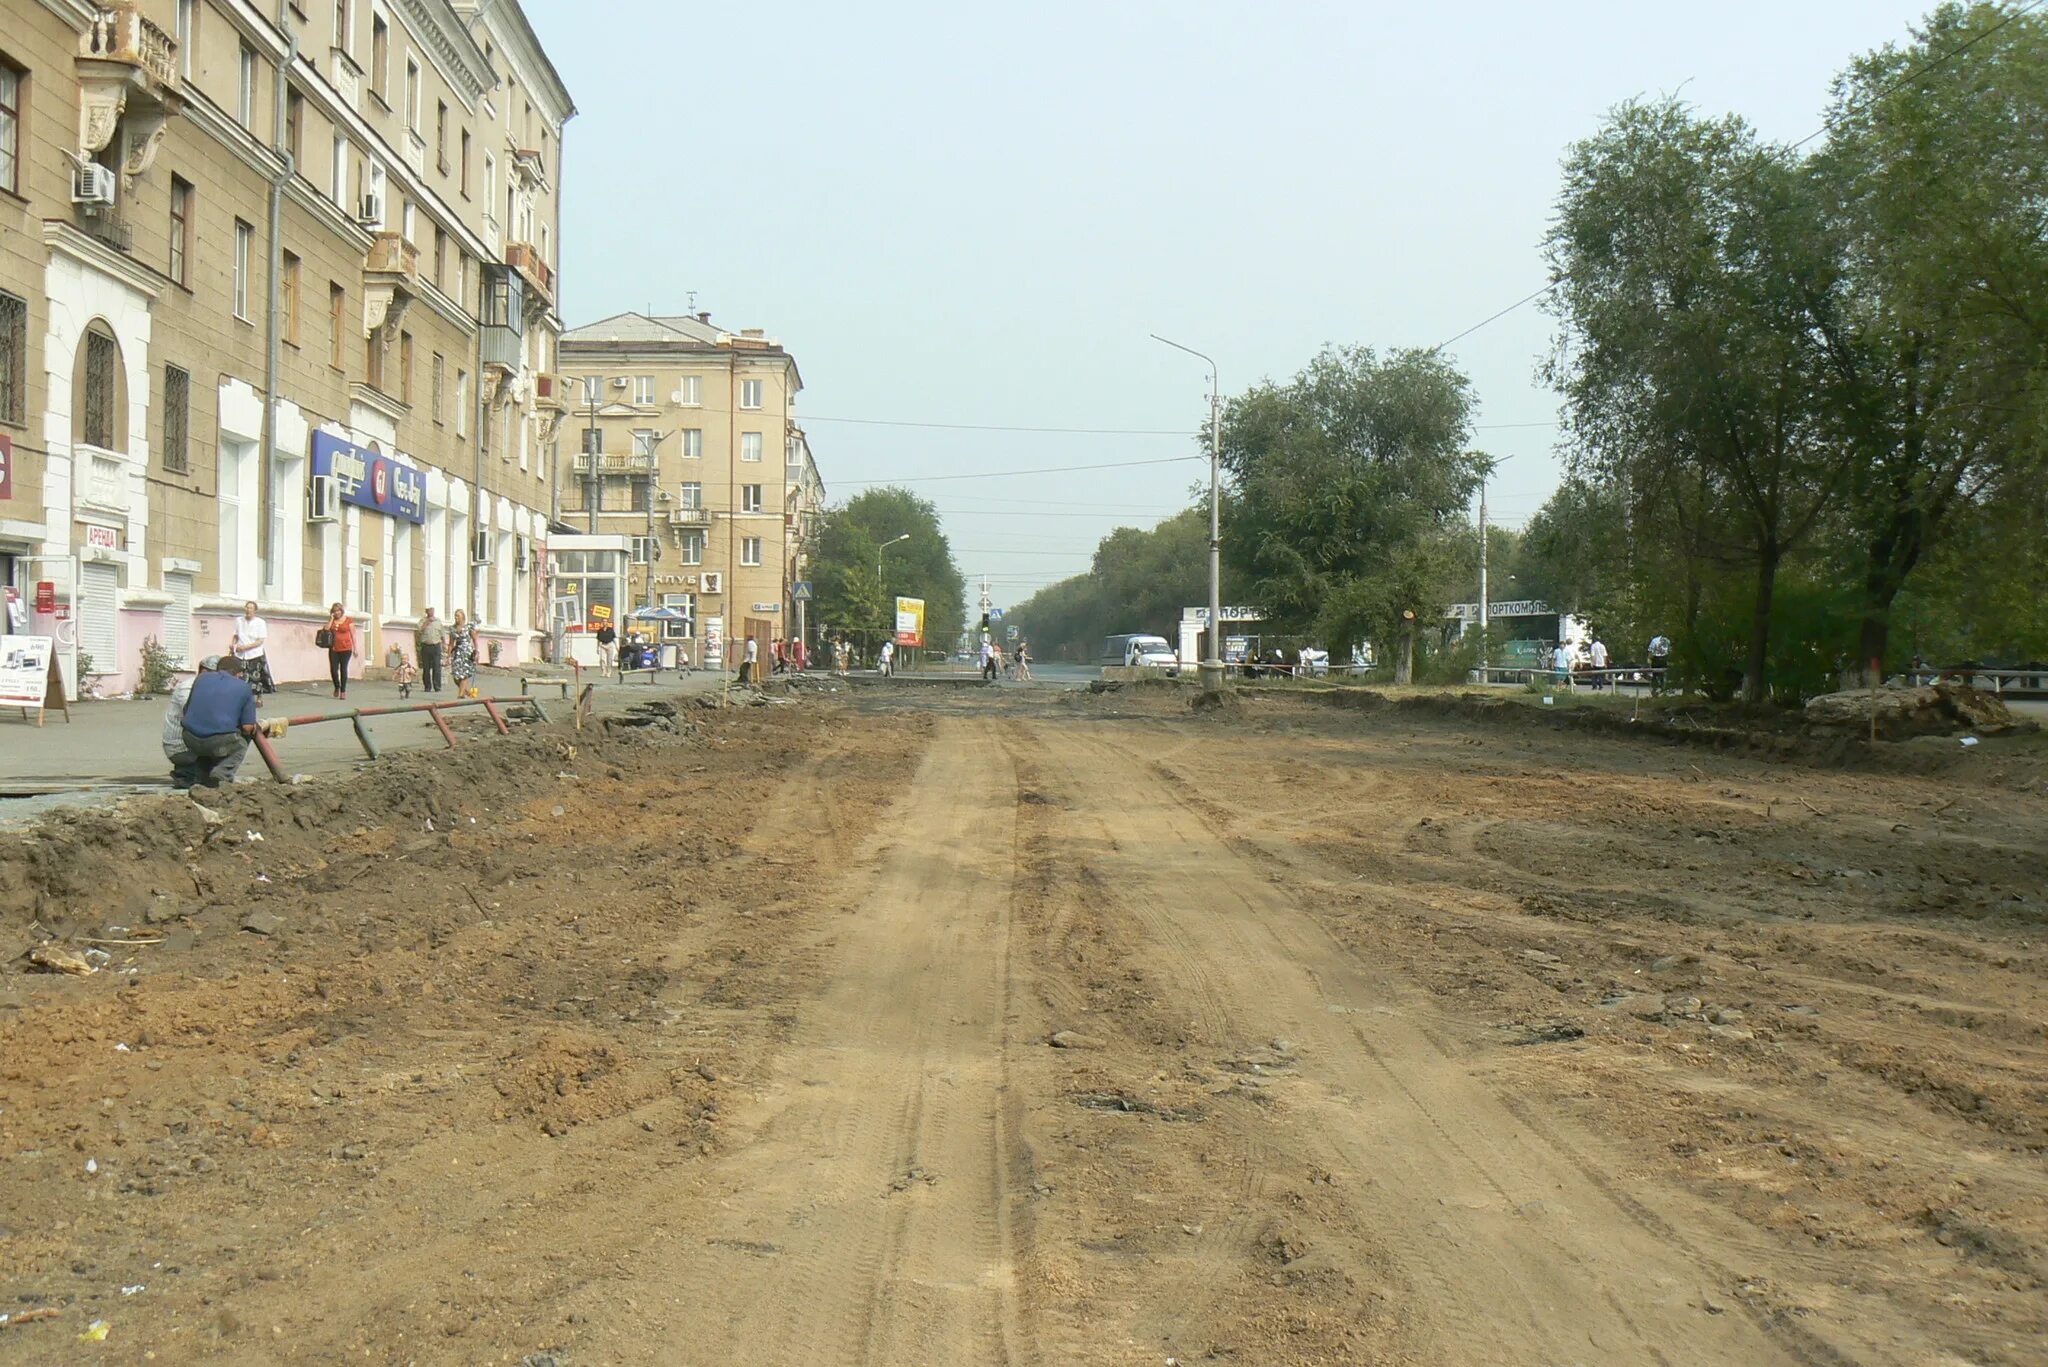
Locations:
(1006, 427)
(1826, 127)
(1006, 474)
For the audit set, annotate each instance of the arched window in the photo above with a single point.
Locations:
(99, 391)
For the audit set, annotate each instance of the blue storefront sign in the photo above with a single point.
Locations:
(370, 480)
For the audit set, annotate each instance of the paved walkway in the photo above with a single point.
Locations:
(114, 746)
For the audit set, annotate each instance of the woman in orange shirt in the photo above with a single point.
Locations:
(341, 643)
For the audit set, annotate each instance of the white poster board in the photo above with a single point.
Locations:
(27, 673)
(714, 643)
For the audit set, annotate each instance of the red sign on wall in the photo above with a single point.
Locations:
(46, 595)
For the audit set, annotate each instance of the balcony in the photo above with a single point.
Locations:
(553, 393)
(100, 479)
(524, 257)
(391, 281)
(617, 463)
(689, 517)
(120, 36)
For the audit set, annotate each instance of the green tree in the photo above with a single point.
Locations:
(1694, 281)
(860, 567)
(1346, 489)
(1937, 353)
(1140, 580)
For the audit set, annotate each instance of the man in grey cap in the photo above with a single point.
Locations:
(185, 768)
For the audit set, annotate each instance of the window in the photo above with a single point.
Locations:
(643, 391)
(412, 95)
(408, 221)
(750, 550)
(181, 230)
(639, 492)
(177, 421)
(441, 135)
(12, 79)
(337, 322)
(461, 402)
(380, 59)
(102, 390)
(343, 30)
(440, 257)
(373, 359)
(464, 184)
(245, 90)
(490, 181)
(593, 386)
(643, 441)
(186, 34)
(693, 442)
(691, 496)
(337, 187)
(750, 446)
(750, 498)
(244, 236)
(440, 381)
(13, 359)
(405, 367)
(295, 127)
(693, 548)
(750, 393)
(643, 548)
(288, 300)
(691, 391)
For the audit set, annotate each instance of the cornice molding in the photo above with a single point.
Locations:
(62, 238)
(444, 33)
(76, 13)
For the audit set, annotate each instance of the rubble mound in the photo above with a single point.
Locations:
(1940, 709)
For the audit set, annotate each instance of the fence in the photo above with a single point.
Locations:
(355, 717)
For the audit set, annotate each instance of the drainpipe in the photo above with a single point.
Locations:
(266, 548)
(473, 595)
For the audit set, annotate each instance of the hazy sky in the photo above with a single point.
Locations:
(972, 214)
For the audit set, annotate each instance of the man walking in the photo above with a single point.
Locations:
(428, 640)
(250, 645)
(749, 659)
(1660, 660)
(607, 653)
(888, 657)
(1597, 654)
(220, 718)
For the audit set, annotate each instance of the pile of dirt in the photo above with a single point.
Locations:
(1942, 709)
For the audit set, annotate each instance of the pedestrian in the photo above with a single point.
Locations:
(1024, 661)
(988, 662)
(219, 720)
(250, 645)
(887, 658)
(339, 639)
(607, 647)
(1563, 662)
(1596, 654)
(1660, 660)
(750, 655)
(462, 654)
(841, 654)
(184, 764)
(428, 642)
(778, 653)
(798, 655)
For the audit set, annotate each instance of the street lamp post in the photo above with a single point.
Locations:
(1212, 662)
(886, 620)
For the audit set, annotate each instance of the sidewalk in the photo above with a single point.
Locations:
(114, 747)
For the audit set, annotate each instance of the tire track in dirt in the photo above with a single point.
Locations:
(1515, 1254)
(867, 1220)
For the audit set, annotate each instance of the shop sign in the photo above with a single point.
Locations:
(102, 538)
(370, 480)
(765, 608)
(910, 621)
(46, 595)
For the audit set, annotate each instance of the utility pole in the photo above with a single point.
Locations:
(1212, 658)
(1483, 608)
(592, 444)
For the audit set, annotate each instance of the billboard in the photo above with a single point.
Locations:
(369, 479)
(910, 621)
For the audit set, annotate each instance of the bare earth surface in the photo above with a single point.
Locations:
(943, 1026)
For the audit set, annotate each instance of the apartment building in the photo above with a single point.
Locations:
(683, 436)
(348, 204)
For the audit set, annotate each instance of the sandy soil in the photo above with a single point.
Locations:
(958, 1027)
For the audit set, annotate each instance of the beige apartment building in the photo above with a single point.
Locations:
(683, 437)
(398, 161)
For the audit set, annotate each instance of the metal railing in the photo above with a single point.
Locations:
(355, 717)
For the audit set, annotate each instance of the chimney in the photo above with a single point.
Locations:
(705, 316)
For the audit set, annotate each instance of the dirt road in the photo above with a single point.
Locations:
(1045, 1030)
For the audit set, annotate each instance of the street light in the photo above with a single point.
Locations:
(883, 547)
(1212, 663)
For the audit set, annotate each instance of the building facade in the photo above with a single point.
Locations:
(349, 205)
(683, 436)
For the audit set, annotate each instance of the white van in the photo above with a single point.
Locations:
(1138, 649)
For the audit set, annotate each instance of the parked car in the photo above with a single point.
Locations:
(1137, 648)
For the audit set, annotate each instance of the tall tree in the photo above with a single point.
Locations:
(1346, 485)
(861, 567)
(1140, 580)
(1689, 259)
(1937, 355)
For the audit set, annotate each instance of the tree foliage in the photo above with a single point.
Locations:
(1140, 580)
(853, 594)
(1347, 486)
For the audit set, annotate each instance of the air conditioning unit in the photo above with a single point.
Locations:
(370, 213)
(480, 549)
(323, 499)
(714, 582)
(618, 382)
(92, 183)
(664, 496)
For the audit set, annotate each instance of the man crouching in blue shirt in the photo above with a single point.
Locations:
(220, 717)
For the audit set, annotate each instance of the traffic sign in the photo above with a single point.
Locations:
(995, 614)
(800, 591)
(1013, 633)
